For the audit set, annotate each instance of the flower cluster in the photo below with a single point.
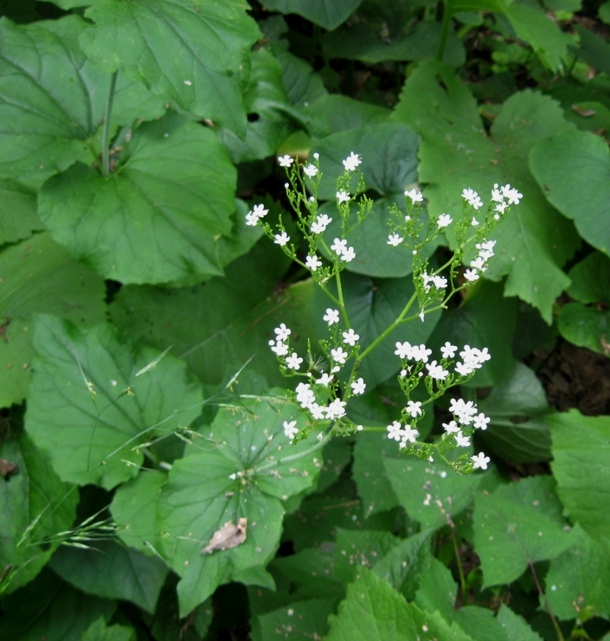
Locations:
(328, 383)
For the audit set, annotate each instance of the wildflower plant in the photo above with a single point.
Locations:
(328, 382)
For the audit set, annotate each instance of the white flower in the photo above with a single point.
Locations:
(462, 440)
(415, 196)
(282, 332)
(440, 282)
(310, 170)
(451, 427)
(404, 350)
(408, 435)
(395, 240)
(414, 408)
(339, 246)
(290, 429)
(281, 239)
(285, 161)
(421, 353)
(313, 262)
(358, 386)
(320, 224)
(481, 421)
(350, 337)
(394, 431)
(511, 194)
(351, 162)
(293, 361)
(480, 461)
(325, 379)
(305, 395)
(336, 409)
(464, 411)
(471, 275)
(463, 369)
(473, 199)
(342, 196)
(339, 355)
(258, 212)
(251, 219)
(331, 316)
(444, 220)
(348, 254)
(478, 263)
(448, 350)
(318, 412)
(474, 222)
(281, 349)
(437, 372)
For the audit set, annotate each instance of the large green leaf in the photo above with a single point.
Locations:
(242, 467)
(456, 152)
(532, 25)
(38, 275)
(112, 571)
(516, 526)
(573, 169)
(193, 53)
(96, 399)
(159, 217)
(517, 431)
(431, 493)
(218, 327)
(18, 217)
(52, 100)
(298, 621)
(52, 610)
(586, 327)
(581, 465)
(325, 13)
(591, 279)
(577, 580)
(374, 611)
(99, 631)
(35, 505)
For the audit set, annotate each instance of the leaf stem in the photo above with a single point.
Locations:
(444, 30)
(558, 631)
(106, 131)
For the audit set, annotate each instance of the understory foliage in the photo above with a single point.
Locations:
(304, 325)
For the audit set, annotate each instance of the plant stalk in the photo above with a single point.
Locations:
(447, 13)
(106, 130)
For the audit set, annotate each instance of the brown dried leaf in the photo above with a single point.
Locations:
(7, 468)
(229, 536)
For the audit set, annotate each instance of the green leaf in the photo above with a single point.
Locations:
(99, 631)
(355, 549)
(298, 621)
(96, 399)
(378, 40)
(516, 526)
(430, 492)
(586, 327)
(534, 241)
(342, 113)
(134, 509)
(373, 611)
(112, 571)
(581, 465)
(266, 102)
(544, 36)
(52, 610)
(38, 275)
(35, 506)
(328, 14)
(591, 279)
(157, 218)
(516, 627)
(573, 168)
(577, 580)
(192, 53)
(219, 326)
(437, 590)
(18, 217)
(52, 100)
(311, 571)
(518, 431)
(389, 157)
(243, 467)
(593, 49)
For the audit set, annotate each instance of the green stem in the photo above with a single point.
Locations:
(459, 564)
(106, 131)
(558, 631)
(447, 13)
